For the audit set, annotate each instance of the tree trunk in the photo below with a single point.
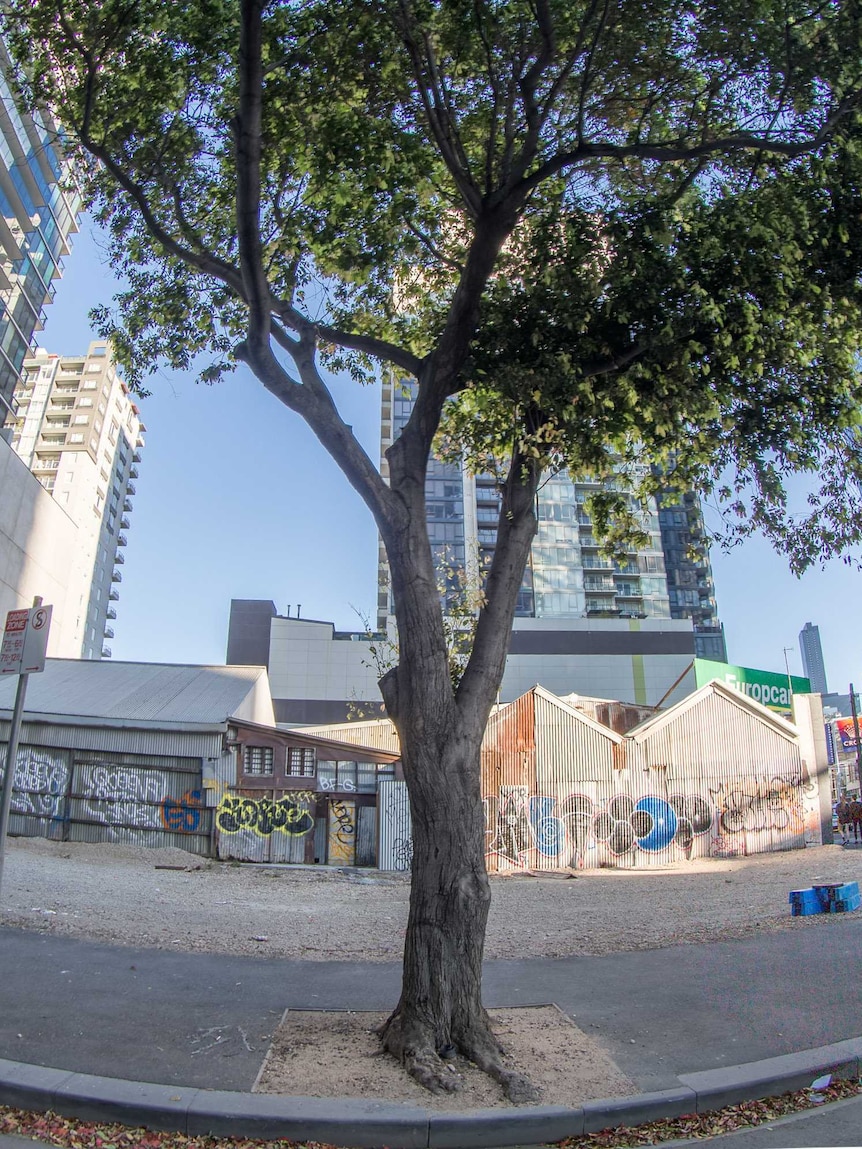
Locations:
(440, 1012)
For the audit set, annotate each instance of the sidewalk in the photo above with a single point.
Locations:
(669, 1018)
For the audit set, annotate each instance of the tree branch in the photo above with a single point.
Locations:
(247, 142)
(674, 151)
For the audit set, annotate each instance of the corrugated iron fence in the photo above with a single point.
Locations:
(562, 793)
(105, 796)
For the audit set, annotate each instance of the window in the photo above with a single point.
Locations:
(257, 760)
(300, 762)
(76, 438)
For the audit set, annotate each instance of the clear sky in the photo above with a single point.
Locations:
(237, 499)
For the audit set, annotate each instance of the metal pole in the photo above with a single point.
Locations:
(789, 683)
(856, 736)
(12, 760)
(9, 773)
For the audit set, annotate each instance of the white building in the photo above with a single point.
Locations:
(321, 675)
(80, 433)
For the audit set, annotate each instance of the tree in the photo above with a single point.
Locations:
(592, 231)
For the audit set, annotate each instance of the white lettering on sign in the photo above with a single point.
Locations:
(25, 641)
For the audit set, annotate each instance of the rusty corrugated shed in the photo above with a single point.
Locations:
(724, 777)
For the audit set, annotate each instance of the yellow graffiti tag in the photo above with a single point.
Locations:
(287, 815)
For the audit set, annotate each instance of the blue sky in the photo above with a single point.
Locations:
(237, 499)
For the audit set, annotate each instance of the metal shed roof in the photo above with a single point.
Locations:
(716, 686)
(134, 693)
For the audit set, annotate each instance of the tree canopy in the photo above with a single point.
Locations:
(681, 186)
(619, 235)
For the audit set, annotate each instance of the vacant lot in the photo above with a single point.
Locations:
(172, 900)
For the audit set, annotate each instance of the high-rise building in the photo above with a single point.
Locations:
(38, 214)
(812, 658)
(567, 576)
(690, 585)
(81, 434)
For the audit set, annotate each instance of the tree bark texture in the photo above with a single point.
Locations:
(440, 1012)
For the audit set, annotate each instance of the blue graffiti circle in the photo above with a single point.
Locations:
(656, 832)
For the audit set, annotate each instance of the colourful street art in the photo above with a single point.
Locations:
(528, 830)
(286, 815)
(182, 815)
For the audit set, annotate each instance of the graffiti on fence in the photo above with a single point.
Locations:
(396, 836)
(286, 815)
(122, 784)
(757, 804)
(182, 815)
(41, 780)
(342, 832)
(524, 829)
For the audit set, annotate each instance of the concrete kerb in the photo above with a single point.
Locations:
(364, 1124)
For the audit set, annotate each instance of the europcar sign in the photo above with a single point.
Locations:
(764, 686)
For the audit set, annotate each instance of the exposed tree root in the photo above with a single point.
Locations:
(413, 1044)
(482, 1048)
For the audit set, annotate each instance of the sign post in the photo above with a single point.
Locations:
(25, 642)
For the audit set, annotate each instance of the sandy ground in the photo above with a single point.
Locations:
(311, 1052)
(119, 894)
(168, 899)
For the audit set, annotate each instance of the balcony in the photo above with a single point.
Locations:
(106, 652)
(119, 558)
(109, 632)
(124, 523)
(136, 456)
(110, 612)
(133, 472)
(113, 593)
(600, 585)
(130, 487)
(122, 541)
(127, 506)
(116, 576)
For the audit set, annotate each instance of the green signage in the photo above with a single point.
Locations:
(764, 686)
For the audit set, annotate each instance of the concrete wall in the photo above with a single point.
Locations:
(37, 545)
(317, 677)
(635, 661)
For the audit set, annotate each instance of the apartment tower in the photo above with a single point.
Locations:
(38, 214)
(567, 576)
(81, 435)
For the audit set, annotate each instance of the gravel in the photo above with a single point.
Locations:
(169, 899)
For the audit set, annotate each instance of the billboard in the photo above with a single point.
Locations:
(764, 686)
(846, 734)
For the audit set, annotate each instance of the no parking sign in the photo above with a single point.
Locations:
(25, 640)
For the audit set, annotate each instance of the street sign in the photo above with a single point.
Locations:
(25, 641)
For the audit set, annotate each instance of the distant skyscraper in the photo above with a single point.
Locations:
(567, 576)
(812, 658)
(81, 434)
(38, 214)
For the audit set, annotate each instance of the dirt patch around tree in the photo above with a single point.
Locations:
(327, 1054)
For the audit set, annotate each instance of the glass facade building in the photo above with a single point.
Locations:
(39, 207)
(567, 575)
